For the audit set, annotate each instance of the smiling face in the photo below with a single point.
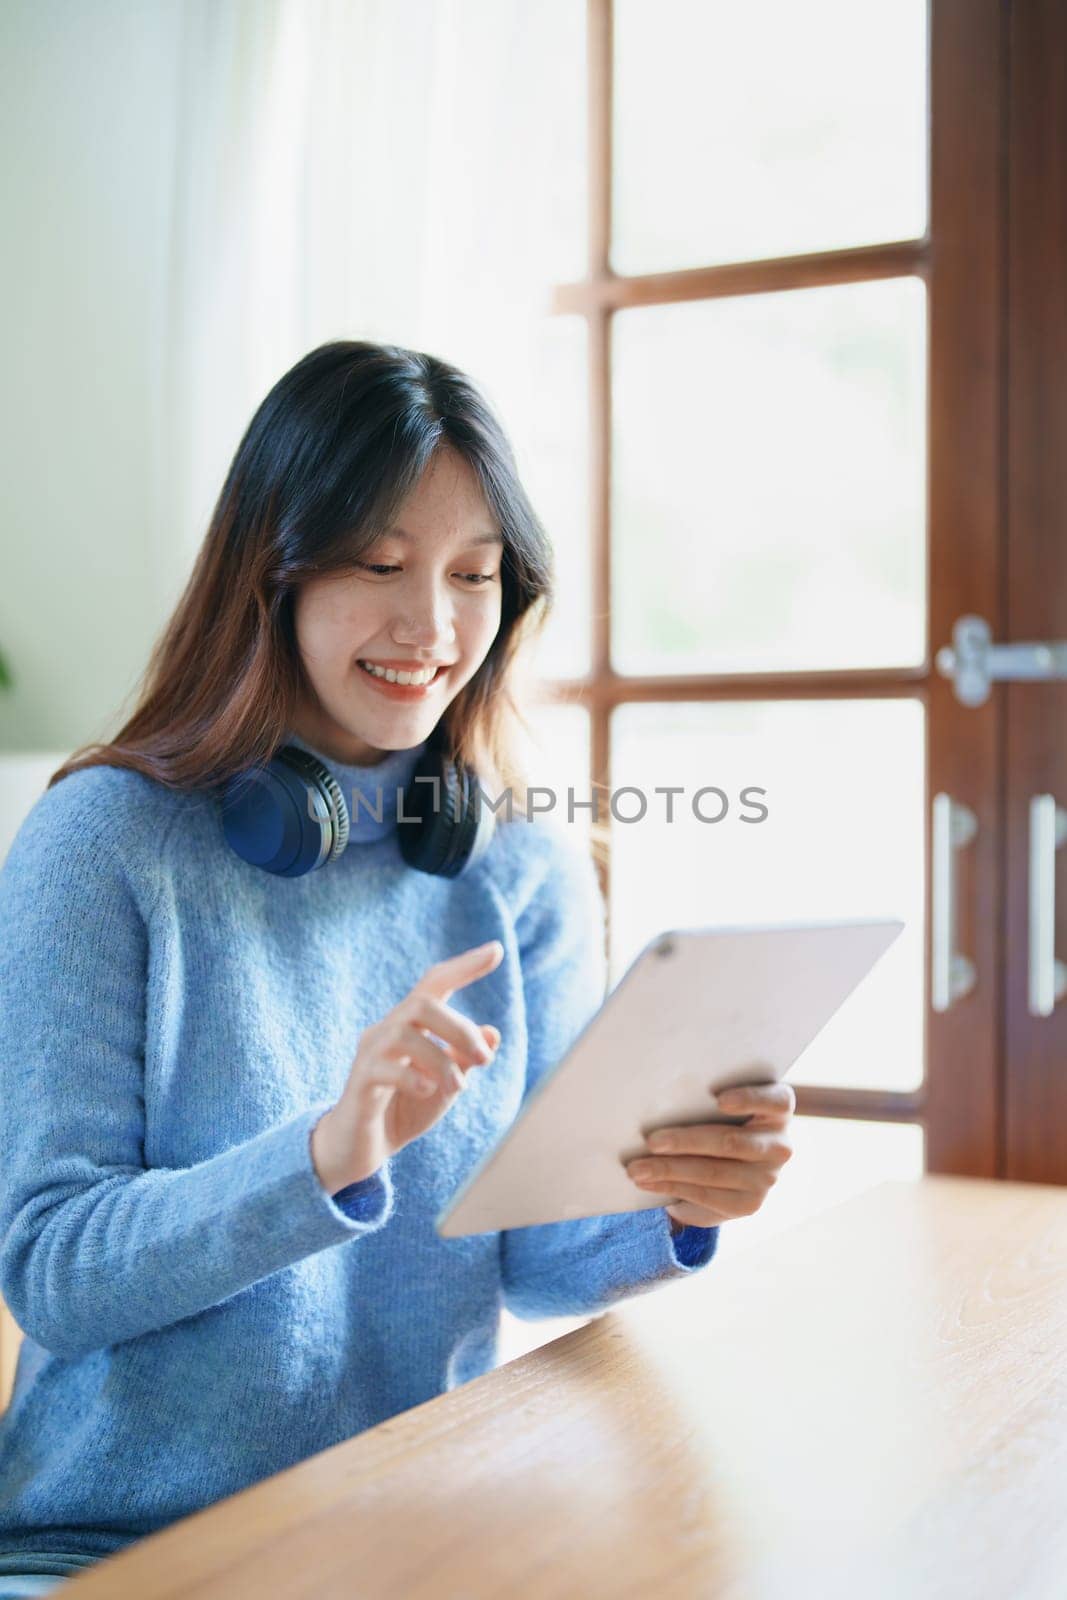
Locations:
(428, 592)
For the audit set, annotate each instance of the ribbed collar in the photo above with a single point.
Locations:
(394, 771)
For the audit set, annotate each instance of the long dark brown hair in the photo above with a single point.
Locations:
(325, 462)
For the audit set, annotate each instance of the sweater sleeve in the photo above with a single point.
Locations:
(579, 1266)
(95, 1247)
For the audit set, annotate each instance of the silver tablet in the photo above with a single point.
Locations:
(697, 1011)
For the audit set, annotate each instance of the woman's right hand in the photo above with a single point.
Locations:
(401, 1082)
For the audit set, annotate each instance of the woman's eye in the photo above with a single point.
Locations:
(477, 580)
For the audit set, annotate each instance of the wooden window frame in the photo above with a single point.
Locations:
(960, 261)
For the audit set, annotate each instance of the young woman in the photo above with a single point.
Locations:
(235, 1093)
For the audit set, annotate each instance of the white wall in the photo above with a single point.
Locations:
(88, 101)
(197, 192)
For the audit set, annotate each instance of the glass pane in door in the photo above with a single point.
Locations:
(555, 757)
(766, 129)
(769, 481)
(841, 783)
(833, 1159)
(539, 388)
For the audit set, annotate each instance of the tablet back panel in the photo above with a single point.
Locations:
(698, 1010)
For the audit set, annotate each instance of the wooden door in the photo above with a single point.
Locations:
(648, 310)
(1034, 1129)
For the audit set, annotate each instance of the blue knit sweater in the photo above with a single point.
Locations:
(199, 1312)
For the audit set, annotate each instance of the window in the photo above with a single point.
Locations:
(801, 291)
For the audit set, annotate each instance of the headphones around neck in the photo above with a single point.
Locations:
(290, 816)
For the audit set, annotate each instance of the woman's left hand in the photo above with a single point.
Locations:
(718, 1171)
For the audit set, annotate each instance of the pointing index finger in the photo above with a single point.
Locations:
(445, 977)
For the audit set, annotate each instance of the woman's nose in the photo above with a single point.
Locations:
(432, 628)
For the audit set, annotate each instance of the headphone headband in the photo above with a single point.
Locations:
(290, 817)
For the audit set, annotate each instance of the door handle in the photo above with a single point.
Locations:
(974, 662)
(953, 974)
(1048, 977)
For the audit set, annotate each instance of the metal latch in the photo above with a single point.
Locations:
(974, 662)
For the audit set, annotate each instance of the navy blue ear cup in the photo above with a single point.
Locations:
(290, 816)
(287, 817)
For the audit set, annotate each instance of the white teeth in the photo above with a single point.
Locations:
(391, 676)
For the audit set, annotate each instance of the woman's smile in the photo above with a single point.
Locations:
(400, 691)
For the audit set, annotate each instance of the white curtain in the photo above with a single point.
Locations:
(406, 170)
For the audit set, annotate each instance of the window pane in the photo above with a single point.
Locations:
(556, 757)
(843, 837)
(766, 129)
(769, 481)
(549, 410)
(833, 1159)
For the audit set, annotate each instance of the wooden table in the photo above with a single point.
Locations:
(871, 1404)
